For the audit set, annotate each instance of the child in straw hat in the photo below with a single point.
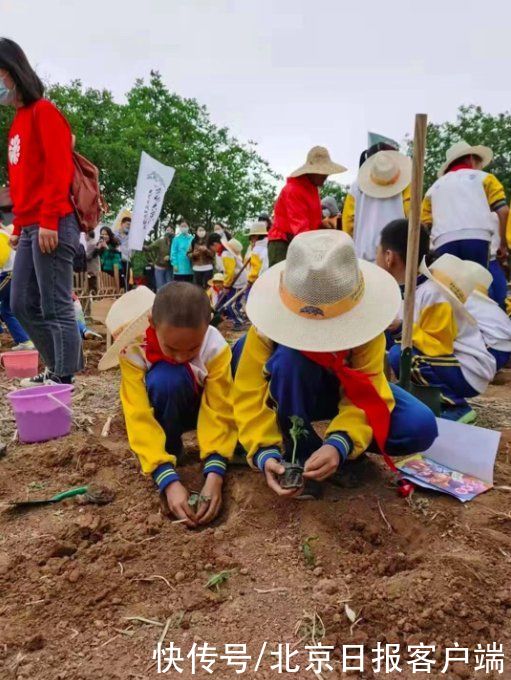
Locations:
(493, 322)
(449, 350)
(235, 275)
(175, 377)
(459, 204)
(258, 238)
(380, 193)
(216, 289)
(316, 351)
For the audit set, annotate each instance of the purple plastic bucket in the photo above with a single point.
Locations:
(42, 413)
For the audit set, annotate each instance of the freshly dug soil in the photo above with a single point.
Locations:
(73, 576)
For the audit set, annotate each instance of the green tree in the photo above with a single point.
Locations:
(217, 177)
(475, 126)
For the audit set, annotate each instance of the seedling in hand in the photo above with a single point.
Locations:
(293, 474)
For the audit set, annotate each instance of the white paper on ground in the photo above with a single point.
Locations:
(465, 448)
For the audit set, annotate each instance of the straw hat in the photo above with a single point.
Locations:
(318, 163)
(461, 149)
(454, 278)
(217, 278)
(483, 278)
(258, 229)
(126, 321)
(385, 174)
(234, 246)
(321, 298)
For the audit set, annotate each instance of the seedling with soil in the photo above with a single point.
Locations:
(293, 473)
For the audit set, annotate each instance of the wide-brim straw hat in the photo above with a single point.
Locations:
(385, 174)
(258, 229)
(461, 149)
(217, 278)
(456, 281)
(322, 298)
(234, 246)
(484, 279)
(318, 163)
(127, 320)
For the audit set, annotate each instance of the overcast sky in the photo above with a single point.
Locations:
(287, 74)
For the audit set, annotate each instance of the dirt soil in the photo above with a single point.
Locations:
(73, 575)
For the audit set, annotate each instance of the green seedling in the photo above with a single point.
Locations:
(296, 432)
(308, 552)
(36, 486)
(217, 580)
(196, 499)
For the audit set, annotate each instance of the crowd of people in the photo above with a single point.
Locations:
(319, 294)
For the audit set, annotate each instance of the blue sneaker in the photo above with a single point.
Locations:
(460, 414)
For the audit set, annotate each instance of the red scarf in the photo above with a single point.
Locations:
(154, 354)
(460, 166)
(362, 393)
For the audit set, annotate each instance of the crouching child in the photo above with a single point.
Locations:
(316, 352)
(175, 377)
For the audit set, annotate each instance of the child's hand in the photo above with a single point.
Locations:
(177, 500)
(212, 490)
(272, 469)
(322, 464)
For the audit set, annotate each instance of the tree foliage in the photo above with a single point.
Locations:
(217, 177)
(476, 127)
(338, 191)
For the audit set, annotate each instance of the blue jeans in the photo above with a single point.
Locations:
(498, 289)
(175, 401)
(41, 290)
(12, 323)
(474, 249)
(300, 387)
(502, 358)
(162, 277)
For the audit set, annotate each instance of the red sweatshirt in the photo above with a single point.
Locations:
(40, 166)
(298, 209)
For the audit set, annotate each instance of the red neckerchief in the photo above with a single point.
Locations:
(460, 166)
(362, 393)
(154, 354)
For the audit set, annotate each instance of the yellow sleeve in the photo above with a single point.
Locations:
(229, 269)
(145, 435)
(426, 212)
(348, 215)
(508, 230)
(406, 200)
(494, 191)
(216, 430)
(369, 359)
(255, 267)
(255, 419)
(435, 331)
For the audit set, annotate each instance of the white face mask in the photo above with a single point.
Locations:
(184, 229)
(7, 95)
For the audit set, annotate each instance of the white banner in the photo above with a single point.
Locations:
(153, 181)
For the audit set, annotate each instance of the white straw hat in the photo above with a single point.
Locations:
(126, 321)
(483, 279)
(385, 174)
(258, 229)
(454, 278)
(217, 278)
(318, 163)
(321, 298)
(461, 149)
(234, 246)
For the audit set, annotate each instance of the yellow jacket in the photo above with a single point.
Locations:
(216, 430)
(256, 419)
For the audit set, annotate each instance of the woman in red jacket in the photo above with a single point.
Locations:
(46, 233)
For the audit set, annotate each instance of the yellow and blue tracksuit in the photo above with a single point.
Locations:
(273, 383)
(232, 265)
(258, 260)
(448, 351)
(161, 401)
(495, 326)
(458, 209)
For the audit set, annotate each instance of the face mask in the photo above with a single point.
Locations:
(7, 96)
(201, 233)
(184, 230)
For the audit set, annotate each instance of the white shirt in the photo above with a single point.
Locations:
(494, 323)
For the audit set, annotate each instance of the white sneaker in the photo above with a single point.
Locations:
(23, 345)
(42, 378)
(92, 335)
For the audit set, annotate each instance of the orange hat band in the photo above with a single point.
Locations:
(319, 312)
